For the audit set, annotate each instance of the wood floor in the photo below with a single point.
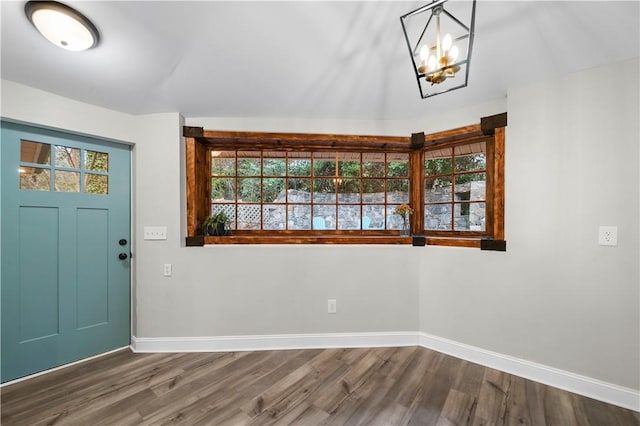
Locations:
(382, 386)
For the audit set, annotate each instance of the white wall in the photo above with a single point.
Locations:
(556, 297)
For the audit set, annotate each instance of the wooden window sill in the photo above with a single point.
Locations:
(290, 239)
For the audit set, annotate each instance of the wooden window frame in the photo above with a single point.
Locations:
(199, 143)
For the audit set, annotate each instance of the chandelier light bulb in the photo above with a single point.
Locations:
(432, 64)
(453, 53)
(446, 42)
(424, 53)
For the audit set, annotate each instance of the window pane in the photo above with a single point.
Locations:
(324, 164)
(373, 217)
(230, 211)
(349, 191)
(273, 164)
(34, 178)
(469, 216)
(324, 217)
(437, 162)
(96, 184)
(324, 191)
(437, 217)
(349, 164)
(273, 190)
(470, 187)
(248, 163)
(299, 217)
(299, 190)
(299, 166)
(273, 216)
(223, 163)
(249, 190)
(373, 190)
(373, 165)
(349, 217)
(249, 216)
(223, 189)
(471, 157)
(437, 189)
(35, 152)
(398, 191)
(394, 221)
(66, 181)
(98, 161)
(398, 165)
(67, 157)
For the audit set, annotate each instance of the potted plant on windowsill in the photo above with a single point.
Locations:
(216, 225)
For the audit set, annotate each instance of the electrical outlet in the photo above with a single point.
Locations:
(608, 236)
(331, 306)
(155, 232)
(167, 269)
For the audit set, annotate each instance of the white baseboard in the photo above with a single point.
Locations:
(592, 388)
(272, 342)
(582, 385)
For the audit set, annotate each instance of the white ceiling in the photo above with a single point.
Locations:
(303, 59)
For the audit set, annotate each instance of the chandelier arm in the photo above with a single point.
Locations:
(457, 21)
(415, 49)
(424, 8)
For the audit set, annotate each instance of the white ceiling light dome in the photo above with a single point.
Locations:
(62, 25)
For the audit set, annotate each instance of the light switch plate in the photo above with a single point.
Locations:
(155, 232)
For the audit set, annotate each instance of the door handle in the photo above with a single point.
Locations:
(122, 256)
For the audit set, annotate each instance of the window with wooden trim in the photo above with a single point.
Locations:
(343, 189)
(274, 191)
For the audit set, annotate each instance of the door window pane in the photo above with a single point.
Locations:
(35, 179)
(35, 152)
(66, 181)
(96, 184)
(96, 161)
(67, 157)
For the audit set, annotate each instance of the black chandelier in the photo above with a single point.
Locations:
(440, 45)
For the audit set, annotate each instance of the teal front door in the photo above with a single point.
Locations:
(65, 235)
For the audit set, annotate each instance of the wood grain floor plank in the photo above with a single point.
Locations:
(367, 386)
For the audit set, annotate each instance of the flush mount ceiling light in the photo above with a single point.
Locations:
(440, 45)
(61, 25)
